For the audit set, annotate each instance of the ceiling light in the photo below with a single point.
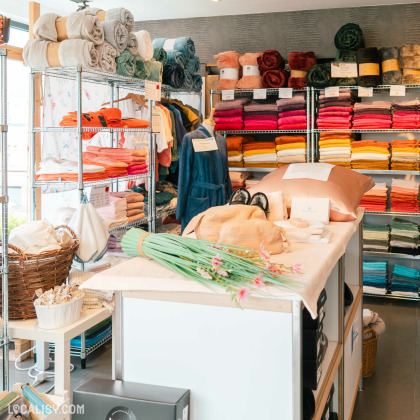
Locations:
(216, 0)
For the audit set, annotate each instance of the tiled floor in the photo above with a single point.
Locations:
(393, 392)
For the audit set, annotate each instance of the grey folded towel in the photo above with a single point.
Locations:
(35, 53)
(123, 15)
(116, 34)
(85, 25)
(106, 56)
(44, 27)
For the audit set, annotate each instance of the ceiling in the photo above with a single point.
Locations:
(174, 9)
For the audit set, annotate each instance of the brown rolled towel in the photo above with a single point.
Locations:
(369, 60)
(270, 60)
(299, 64)
(391, 70)
(275, 78)
(410, 63)
(133, 219)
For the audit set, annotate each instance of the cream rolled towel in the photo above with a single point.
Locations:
(44, 27)
(123, 15)
(116, 34)
(145, 47)
(106, 56)
(78, 52)
(35, 53)
(132, 44)
(85, 25)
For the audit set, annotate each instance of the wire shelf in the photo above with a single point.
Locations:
(392, 213)
(262, 131)
(378, 89)
(390, 296)
(386, 172)
(269, 91)
(89, 183)
(356, 131)
(391, 254)
(140, 222)
(91, 130)
(76, 351)
(246, 169)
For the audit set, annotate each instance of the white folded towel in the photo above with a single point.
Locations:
(35, 53)
(145, 47)
(44, 27)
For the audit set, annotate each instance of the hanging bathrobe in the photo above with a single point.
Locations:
(203, 176)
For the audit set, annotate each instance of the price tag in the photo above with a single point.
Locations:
(228, 95)
(332, 92)
(343, 70)
(99, 196)
(152, 90)
(155, 120)
(204, 145)
(260, 93)
(397, 90)
(364, 92)
(285, 93)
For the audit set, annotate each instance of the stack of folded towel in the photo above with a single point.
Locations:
(370, 154)
(238, 179)
(291, 149)
(404, 196)
(229, 115)
(405, 237)
(406, 115)
(375, 238)
(292, 112)
(235, 152)
(405, 281)
(115, 214)
(260, 116)
(113, 168)
(335, 148)
(260, 154)
(405, 155)
(336, 112)
(373, 115)
(375, 277)
(135, 205)
(376, 198)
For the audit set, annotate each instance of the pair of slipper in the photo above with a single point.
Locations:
(242, 196)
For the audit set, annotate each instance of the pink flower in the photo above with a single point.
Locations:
(259, 281)
(243, 293)
(265, 255)
(296, 268)
(216, 262)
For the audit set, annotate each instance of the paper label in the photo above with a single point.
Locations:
(204, 145)
(365, 92)
(332, 92)
(369, 69)
(155, 120)
(390, 65)
(185, 413)
(298, 73)
(99, 196)
(344, 70)
(251, 71)
(152, 90)
(408, 72)
(317, 209)
(397, 90)
(285, 93)
(317, 171)
(260, 93)
(169, 44)
(228, 95)
(229, 73)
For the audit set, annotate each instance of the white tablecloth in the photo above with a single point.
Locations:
(317, 262)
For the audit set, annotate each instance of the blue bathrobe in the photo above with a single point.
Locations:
(203, 177)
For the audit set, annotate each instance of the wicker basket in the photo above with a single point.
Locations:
(370, 345)
(29, 272)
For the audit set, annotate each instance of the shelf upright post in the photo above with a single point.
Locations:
(152, 191)
(151, 168)
(200, 108)
(79, 132)
(111, 104)
(211, 99)
(32, 145)
(5, 260)
(313, 125)
(341, 332)
(309, 121)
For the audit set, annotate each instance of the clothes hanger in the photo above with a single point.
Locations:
(139, 99)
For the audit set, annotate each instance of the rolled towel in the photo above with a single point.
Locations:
(319, 76)
(270, 60)
(176, 57)
(410, 63)
(145, 45)
(35, 53)
(184, 44)
(251, 76)
(275, 78)
(44, 28)
(116, 34)
(132, 43)
(126, 64)
(188, 81)
(173, 75)
(123, 15)
(160, 54)
(346, 56)
(154, 69)
(197, 83)
(140, 69)
(349, 37)
(228, 64)
(193, 65)
(391, 70)
(106, 56)
(299, 64)
(369, 67)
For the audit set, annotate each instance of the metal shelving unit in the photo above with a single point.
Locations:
(4, 339)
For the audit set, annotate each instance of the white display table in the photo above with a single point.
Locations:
(240, 364)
